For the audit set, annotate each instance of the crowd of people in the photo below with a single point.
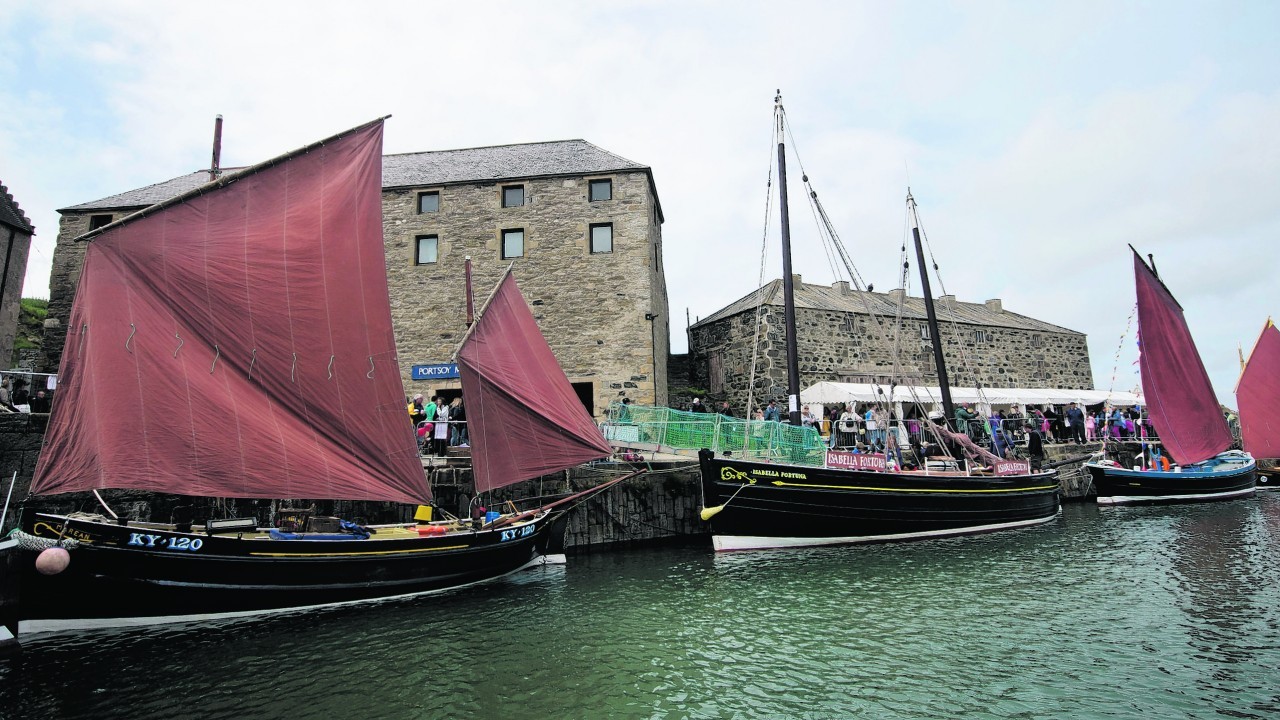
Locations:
(16, 396)
(440, 423)
(866, 427)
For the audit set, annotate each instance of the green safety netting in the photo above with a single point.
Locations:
(763, 439)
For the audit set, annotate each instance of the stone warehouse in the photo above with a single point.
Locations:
(15, 233)
(845, 335)
(581, 226)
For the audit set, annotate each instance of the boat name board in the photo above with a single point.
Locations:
(874, 462)
(1013, 467)
(514, 533)
(165, 543)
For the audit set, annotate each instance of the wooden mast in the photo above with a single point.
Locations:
(935, 338)
(788, 289)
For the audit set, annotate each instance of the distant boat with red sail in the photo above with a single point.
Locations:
(1258, 394)
(1194, 437)
(236, 342)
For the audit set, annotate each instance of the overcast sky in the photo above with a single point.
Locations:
(1039, 138)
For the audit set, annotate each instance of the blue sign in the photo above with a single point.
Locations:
(435, 372)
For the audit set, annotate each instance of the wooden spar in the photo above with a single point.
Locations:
(935, 339)
(788, 289)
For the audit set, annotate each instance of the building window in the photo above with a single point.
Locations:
(599, 190)
(1036, 341)
(97, 221)
(427, 250)
(428, 202)
(602, 238)
(512, 196)
(512, 243)
(981, 336)
(924, 333)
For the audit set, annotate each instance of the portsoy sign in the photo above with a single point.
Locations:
(440, 371)
(856, 461)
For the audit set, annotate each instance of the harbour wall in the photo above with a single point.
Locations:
(660, 504)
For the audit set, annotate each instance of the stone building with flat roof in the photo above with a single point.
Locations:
(15, 233)
(581, 227)
(846, 335)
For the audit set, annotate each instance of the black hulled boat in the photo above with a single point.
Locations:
(752, 504)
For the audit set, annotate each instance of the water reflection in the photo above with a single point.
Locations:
(1143, 612)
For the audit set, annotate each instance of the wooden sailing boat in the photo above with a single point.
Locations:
(1181, 405)
(1258, 393)
(752, 504)
(236, 342)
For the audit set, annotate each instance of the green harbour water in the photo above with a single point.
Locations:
(1146, 612)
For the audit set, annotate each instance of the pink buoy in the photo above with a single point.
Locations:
(53, 561)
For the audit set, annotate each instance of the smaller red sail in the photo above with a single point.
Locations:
(524, 418)
(1179, 396)
(1258, 393)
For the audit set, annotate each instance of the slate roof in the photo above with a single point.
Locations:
(12, 215)
(825, 297)
(437, 167)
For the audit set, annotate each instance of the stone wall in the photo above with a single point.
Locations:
(16, 244)
(21, 437)
(592, 307)
(850, 347)
(68, 259)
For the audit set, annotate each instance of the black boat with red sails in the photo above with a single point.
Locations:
(236, 342)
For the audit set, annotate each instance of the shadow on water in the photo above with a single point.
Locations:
(1125, 612)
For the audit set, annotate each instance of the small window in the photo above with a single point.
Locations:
(429, 202)
(981, 336)
(512, 243)
(924, 333)
(97, 221)
(512, 196)
(1036, 341)
(428, 250)
(602, 238)
(600, 190)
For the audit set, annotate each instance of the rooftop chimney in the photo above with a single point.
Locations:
(995, 305)
(795, 279)
(841, 286)
(897, 295)
(214, 169)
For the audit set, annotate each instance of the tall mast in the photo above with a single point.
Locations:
(788, 290)
(936, 339)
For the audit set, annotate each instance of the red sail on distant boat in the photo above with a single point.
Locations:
(1180, 398)
(1258, 393)
(236, 341)
(524, 418)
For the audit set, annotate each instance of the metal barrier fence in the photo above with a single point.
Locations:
(677, 429)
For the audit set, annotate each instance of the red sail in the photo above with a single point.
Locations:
(1179, 396)
(237, 342)
(522, 414)
(1259, 396)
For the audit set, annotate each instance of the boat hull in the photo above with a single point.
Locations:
(1225, 477)
(137, 574)
(774, 505)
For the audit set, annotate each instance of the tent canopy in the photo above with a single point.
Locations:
(833, 393)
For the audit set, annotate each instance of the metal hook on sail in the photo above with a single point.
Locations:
(181, 342)
(370, 373)
(133, 329)
(216, 354)
(253, 358)
(80, 346)
(294, 370)
(330, 368)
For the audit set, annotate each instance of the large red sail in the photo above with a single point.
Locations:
(237, 342)
(522, 414)
(1179, 397)
(1258, 393)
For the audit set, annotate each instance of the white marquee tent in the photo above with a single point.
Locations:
(833, 393)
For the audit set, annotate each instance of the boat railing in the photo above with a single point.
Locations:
(667, 429)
